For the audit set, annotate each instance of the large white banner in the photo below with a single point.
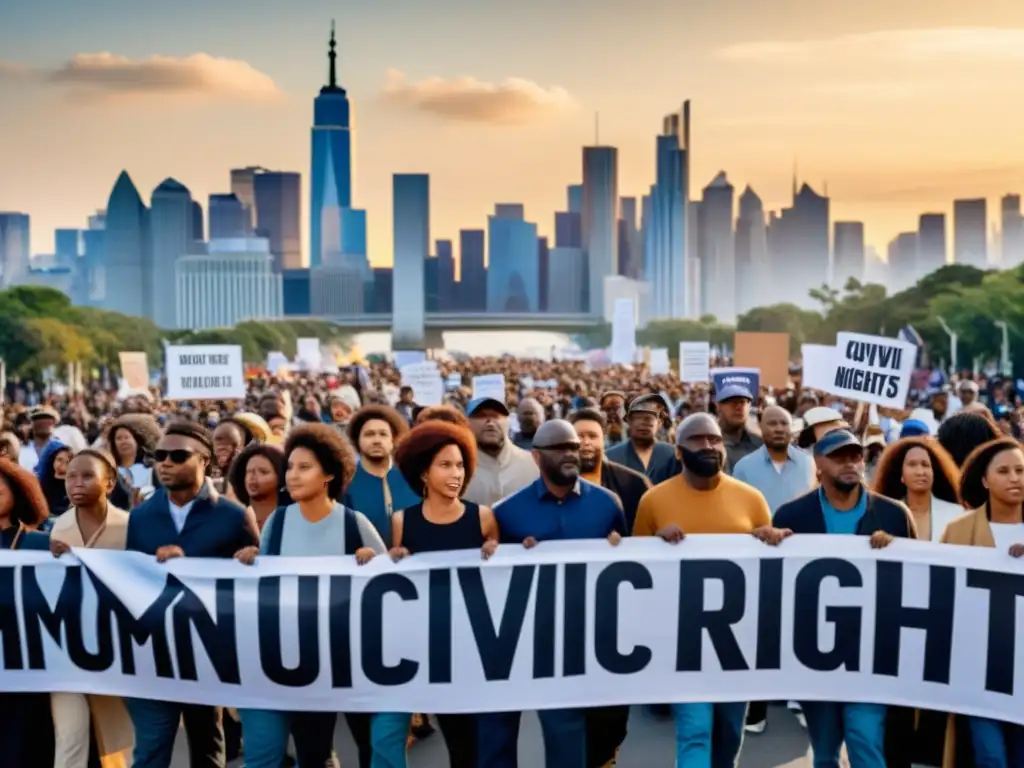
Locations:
(714, 618)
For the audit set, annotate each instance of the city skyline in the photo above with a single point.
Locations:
(841, 113)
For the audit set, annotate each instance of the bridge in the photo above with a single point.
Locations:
(436, 323)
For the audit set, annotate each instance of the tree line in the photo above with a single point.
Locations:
(40, 328)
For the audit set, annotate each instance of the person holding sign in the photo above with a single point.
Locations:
(558, 506)
(437, 460)
(703, 499)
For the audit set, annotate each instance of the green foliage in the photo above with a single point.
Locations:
(39, 327)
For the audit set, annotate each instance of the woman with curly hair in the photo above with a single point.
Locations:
(922, 474)
(132, 438)
(447, 413)
(257, 479)
(26, 731)
(319, 464)
(437, 460)
(962, 432)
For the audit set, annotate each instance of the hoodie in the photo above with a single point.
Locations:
(53, 488)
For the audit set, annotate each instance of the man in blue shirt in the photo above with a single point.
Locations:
(558, 506)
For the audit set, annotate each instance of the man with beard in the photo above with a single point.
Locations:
(502, 468)
(531, 416)
(703, 499)
(613, 405)
(642, 452)
(556, 507)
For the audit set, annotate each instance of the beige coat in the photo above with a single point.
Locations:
(115, 737)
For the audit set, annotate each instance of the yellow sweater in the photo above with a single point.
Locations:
(730, 507)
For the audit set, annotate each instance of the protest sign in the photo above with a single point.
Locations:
(694, 362)
(134, 372)
(308, 355)
(819, 367)
(873, 369)
(491, 385)
(623, 348)
(658, 364)
(567, 624)
(204, 372)
(425, 380)
(765, 352)
(748, 378)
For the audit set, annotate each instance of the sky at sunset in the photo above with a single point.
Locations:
(898, 106)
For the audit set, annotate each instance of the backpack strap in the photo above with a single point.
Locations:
(276, 532)
(353, 538)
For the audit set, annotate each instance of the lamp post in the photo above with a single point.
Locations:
(1004, 355)
(953, 338)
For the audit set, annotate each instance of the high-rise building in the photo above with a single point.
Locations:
(567, 269)
(445, 276)
(716, 249)
(666, 234)
(243, 186)
(67, 247)
(631, 254)
(799, 247)
(931, 243)
(847, 252)
(331, 171)
(510, 211)
(568, 229)
(94, 258)
(235, 281)
(574, 198)
(337, 289)
(129, 287)
(472, 272)
(295, 292)
(753, 283)
(430, 302)
(1012, 225)
(383, 287)
(278, 215)
(902, 259)
(543, 255)
(15, 253)
(600, 219)
(170, 228)
(411, 228)
(513, 269)
(197, 231)
(228, 217)
(970, 232)
(638, 291)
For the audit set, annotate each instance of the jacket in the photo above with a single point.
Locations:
(660, 467)
(215, 526)
(804, 515)
(627, 484)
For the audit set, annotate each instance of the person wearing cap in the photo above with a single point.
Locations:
(843, 505)
(502, 468)
(967, 390)
(558, 506)
(44, 419)
(915, 428)
(642, 452)
(818, 421)
(733, 403)
(704, 499)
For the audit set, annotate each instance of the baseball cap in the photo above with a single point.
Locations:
(486, 402)
(731, 391)
(834, 441)
(914, 428)
(821, 414)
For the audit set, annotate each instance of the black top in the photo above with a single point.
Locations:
(421, 535)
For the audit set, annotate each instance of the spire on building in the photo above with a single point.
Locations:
(332, 55)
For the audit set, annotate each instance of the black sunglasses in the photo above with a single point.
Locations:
(177, 456)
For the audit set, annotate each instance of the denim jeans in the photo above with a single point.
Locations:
(708, 735)
(156, 727)
(565, 738)
(389, 734)
(861, 726)
(996, 744)
(266, 735)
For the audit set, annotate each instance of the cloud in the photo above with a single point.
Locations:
(512, 102)
(905, 45)
(92, 76)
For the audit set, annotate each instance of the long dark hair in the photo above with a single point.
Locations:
(888, 476)
(973, 492)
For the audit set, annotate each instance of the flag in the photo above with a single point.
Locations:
(911, 336)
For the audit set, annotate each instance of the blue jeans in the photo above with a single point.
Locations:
(266, 733)
(565, 738)
(861, 726)
(996, 744)
(156, 726)
(389, 732)
(708, 735)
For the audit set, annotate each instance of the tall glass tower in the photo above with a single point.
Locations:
(331, 172)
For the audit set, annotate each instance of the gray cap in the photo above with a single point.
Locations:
(697, 424)
(555, 432)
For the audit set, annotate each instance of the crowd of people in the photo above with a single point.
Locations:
(350, 465)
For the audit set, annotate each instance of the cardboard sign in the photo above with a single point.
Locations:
(767, 352)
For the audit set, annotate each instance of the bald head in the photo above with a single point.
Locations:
(531, 415)
(776, 427)
(555, 433)
(698, 425)
(700, 448)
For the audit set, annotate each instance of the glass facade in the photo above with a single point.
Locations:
(128, 264)
(567, 269)
(331, 164)
(225, 288)
(513, 267)
(666, 237)
(411, 238)
(600, 219)
(278, 197)
(14, 247)
(170, 226)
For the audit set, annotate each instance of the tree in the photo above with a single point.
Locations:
(802, 325)
(56, 344)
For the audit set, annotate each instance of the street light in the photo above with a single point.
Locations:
(953, 338)
(1004, 355)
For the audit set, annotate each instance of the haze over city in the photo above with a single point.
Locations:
(897, 107)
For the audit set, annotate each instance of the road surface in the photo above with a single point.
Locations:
(650, 744)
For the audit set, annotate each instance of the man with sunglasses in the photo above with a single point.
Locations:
(184, 518)
(558, 506)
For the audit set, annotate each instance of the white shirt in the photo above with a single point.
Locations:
(29, 457)
(943, 513)
(1007, 534)
(179, 514)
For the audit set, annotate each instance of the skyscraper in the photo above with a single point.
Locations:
(902, 258)
(666, 234)
(970, 232)
(847, 253)
(197, 231)
(94, 258)
(543, 255)
(331, 170)
(631, 254)
(1012, 245)
(243, 186)
(513, 268)
(278, 205)
(14, 247)
(567, 269)
(799, 246)
(931, 243)
(228, 217)
(574, 198)
(568, 230)
(753, 283)
(411, 229)
(170, 228)
(445, 276)
(127, 251)
(600, 219)
(472, 272)
(235, 281)
(716, 249)
(510, 211)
